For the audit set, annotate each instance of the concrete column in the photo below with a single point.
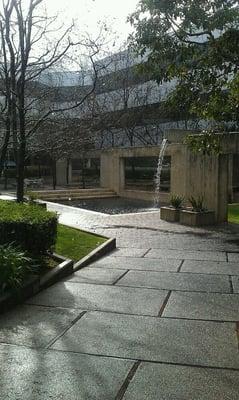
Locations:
(70, 172)
(112, 175)
(61, 166)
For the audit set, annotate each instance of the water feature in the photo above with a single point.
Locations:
(159, 172)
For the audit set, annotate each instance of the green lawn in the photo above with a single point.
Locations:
(74, 243)
(233, 213)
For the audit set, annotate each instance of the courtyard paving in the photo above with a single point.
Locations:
(157, 319)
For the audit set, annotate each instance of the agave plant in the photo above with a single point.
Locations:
(197, 203)
(176, 201)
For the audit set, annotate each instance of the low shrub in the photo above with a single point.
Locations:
(27, 225)
(14, 266)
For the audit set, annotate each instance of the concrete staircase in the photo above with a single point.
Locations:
(74, 194)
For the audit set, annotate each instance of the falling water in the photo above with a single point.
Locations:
(159, 171)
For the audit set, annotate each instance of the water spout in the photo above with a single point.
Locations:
(159, 172)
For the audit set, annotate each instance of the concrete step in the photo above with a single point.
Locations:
(82, 193)
(66, 198)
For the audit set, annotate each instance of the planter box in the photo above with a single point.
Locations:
(169, 214)
(193, 218)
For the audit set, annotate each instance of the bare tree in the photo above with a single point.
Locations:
(28, 50)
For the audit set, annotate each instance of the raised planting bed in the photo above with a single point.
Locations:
(76, 244)
(169, 214)
(49, 270)
(197, 218)
(27, 264)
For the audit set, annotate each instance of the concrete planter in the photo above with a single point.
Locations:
(169, 214)
(194, 218)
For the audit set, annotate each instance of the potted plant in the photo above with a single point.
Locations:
(171, 213)
(197, 214)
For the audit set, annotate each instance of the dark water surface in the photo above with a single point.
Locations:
(112, 205)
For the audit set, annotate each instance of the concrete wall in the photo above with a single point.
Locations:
(191, 174)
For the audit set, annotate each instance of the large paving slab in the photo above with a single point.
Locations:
(96, 275)
(34, 326)
(233, 257)
(154, 339)
(208, 306)
(177, 281)
(37, 375)
(187, 255)
(210, 267)
(235, 283)
(130, 252)
(144, 264)
(171, 382)
(102, 297)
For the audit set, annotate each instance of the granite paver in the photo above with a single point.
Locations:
(153, 339)
(35, 326)
(97, 275)
(43, 375)
(235, 284)
(172, 382)
(130, 252)
(102, 297)
(208, 306)
(187, 255)
(210, 267)
(138, 263)
(233, 257)
(176, 281)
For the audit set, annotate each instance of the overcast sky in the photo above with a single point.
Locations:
(89, 12)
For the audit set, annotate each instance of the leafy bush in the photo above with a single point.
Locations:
(14, 265)
(197, 204)
(27, 225)
(176, 201)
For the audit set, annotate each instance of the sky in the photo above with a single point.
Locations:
(89, 12)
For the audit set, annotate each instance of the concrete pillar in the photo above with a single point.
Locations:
(112, 171)
(61, 166)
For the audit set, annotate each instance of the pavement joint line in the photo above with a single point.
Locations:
(146, 253)
(164, 304)
(143, 315)
(198, 250)
(231, 284)
(148, 288)
(237, 332)
(180, 266)
(158, 271)
(65, 330)
(118, 279)
(127, 381)
(142, 360)
(186, 259)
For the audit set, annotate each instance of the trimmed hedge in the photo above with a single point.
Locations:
(27, 225)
